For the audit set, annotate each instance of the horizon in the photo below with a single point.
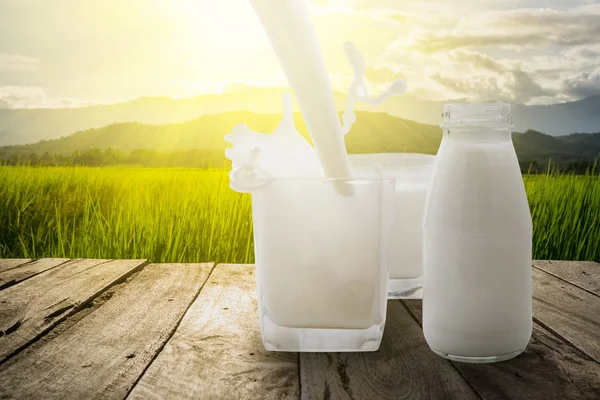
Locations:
(69, 54)
(282, 89)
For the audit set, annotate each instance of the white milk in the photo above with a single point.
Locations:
(412, 173)
(479, 305)
(294, 41)
(477, 243)
(358, 90)
(322, 262)
(322, 257)
(321, 245)
(283, 153)
(309, 239)
(407, 239)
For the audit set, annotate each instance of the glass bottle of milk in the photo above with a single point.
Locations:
(477, 240)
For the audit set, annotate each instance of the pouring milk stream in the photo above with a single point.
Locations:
(294, 40)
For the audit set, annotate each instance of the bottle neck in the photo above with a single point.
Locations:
(478, 123)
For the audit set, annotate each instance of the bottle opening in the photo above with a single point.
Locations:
(477, 116)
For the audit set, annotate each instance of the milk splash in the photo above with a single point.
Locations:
(257, 156)
(358, 89)
(282, 153)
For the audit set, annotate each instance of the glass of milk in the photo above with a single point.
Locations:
(322, 262)
(477, 242)
(412, 173)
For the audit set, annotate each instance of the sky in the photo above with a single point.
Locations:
(70, 53)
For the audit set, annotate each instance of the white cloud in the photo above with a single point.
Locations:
(384, 11)
(17, 62)
(13, 97)
(583, 84)
(478, 60)
(382, 74)
(478, 87)
(518, 28)
(510, 81)
(563, 48)
(518, 50)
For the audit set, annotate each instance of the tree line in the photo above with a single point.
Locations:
(94, 157)
(215, 158)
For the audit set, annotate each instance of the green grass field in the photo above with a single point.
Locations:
(191, 215)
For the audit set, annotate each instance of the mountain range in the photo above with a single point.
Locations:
(22, 126)
(372, 133)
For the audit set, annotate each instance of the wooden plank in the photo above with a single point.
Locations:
(549, 368)
(10, 263)
(34, 306)
(568, 311)
(403, 368)
(20, 273)
(584, 274)
(105, 353)
(217, 352)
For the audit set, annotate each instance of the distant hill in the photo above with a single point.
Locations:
(23, 126)
(372, 133)
(538, 148)
(581, 116)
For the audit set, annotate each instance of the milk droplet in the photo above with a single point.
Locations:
(358, 90)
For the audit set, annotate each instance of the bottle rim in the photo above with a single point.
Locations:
(495, 116)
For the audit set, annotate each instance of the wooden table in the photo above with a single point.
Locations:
(81, 329)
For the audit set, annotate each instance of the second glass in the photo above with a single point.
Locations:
(412, 173)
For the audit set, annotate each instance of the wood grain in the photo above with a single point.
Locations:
(568, 311)
(584, 274)
(217, 352)
(105, 353)
(9, 263)
(34, 306)
(20, 273)
(548, 369)
(403, 368)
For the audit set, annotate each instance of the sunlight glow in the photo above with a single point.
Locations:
(231, 24)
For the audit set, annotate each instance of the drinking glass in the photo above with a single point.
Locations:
(322, 262)
(412, 173)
